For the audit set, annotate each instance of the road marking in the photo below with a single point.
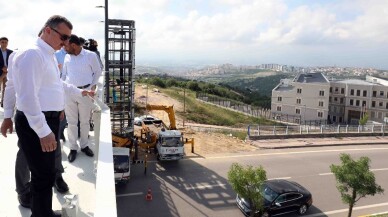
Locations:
(346, 210)
(373, 170)
(130, 194)
(281, 178)
(292, 152)
(204, 186)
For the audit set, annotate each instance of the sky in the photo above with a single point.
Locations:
(346, 33)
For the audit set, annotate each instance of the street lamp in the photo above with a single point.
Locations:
(106, 50)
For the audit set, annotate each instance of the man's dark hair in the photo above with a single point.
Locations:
(3, 38)
(55, 20)
(75, 40)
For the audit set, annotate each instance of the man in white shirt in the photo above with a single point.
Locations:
(40, 102)
(81, 68)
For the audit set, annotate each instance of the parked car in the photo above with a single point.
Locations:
(280, 197)
(147, 119)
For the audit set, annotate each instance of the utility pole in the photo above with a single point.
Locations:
(106, 53)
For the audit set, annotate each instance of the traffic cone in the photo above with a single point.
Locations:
(149, 195)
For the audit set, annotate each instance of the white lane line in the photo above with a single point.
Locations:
(373, 170)
(204, 186)
(130, 194)
(280, 178)
(325, 174)
(292, 152)
(382, 169)
(346, 210)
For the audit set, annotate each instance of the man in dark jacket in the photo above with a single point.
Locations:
(4, 65)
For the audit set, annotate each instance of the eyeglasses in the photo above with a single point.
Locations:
(63, 37)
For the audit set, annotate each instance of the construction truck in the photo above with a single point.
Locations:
(121, 164)
(167, 141)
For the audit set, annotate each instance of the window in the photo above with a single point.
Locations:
(372, 114)
(320, 114)
(329, 98)
(374, 94)
(279, 108)
(364, 103)
(299, 90)
(320, 104)
(336, 89)
(358, 92)
(357, 102)
(386, 105)
(279, 98)
(342, 90)
(331, 89)
(335, 99)
(352, 92)
(297, 111)
(364, 93)
(321, 93)
(373, 104)
(381, 93)
(341, 100)
(380, 104)
(298, 101)
(351, 102)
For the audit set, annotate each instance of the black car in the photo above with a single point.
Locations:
(280, 197)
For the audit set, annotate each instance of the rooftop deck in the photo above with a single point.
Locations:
(96, 198)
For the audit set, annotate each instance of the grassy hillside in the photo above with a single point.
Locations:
(208, 114)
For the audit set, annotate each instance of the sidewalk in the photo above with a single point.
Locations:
(318, 142)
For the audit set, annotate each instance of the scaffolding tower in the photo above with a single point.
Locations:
(119, 83)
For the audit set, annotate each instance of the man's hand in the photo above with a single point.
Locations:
(88, 92)
(6, 125)
(62, 116)
(48, 143)
(4, 69)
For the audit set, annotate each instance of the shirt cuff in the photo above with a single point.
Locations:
(44, 131)
(8, 113)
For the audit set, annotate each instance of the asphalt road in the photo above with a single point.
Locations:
(199, 187)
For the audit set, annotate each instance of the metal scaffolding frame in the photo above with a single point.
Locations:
(119, 83)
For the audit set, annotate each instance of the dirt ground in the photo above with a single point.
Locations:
(205, 143)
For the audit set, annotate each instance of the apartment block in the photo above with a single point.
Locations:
(304, 98)
(312, 97)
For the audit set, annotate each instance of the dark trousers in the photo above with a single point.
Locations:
(22, 172)
(41, 164)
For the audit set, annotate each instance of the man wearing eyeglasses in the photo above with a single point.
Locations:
(40, 101)
(82, 69)
(3, 65)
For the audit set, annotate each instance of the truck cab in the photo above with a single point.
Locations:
(170, 145)
(121, 164)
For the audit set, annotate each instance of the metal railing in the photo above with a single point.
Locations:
(261, 130)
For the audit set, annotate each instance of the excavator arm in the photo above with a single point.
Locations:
(168, 109)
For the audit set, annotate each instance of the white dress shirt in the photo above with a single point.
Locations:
(34, 80)
(81, 69)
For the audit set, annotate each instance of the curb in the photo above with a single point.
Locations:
(320, 145)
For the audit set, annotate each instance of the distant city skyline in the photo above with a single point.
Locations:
(344, 33)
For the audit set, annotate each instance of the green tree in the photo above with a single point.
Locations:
(247, 182)
(354, 180)
(364, 119)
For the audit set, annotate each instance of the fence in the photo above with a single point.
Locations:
(261, 130)
(235, 106)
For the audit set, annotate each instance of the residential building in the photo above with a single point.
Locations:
(312, 97)
(305, 98)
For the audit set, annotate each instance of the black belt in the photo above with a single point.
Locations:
(48, 114)
(83, 87)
